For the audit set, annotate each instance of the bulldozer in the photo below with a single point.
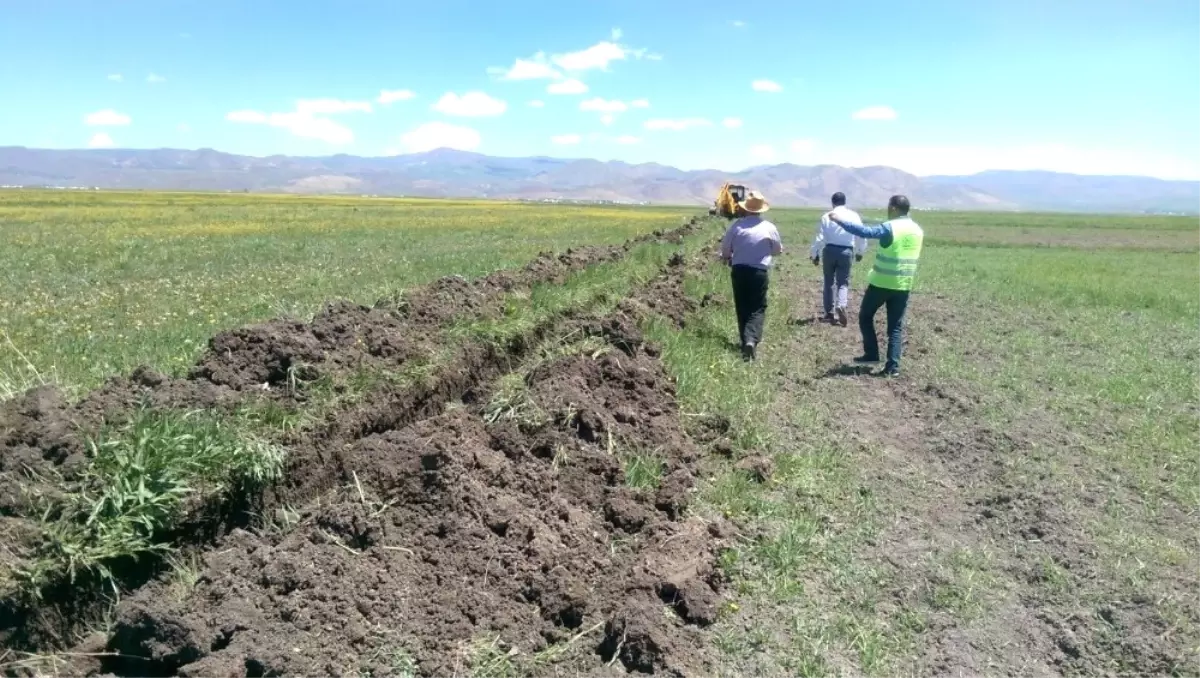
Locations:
(726, 204)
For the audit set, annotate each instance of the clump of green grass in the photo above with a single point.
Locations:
(400, 663)
(490, 658)
(643, 470)
(512, 400)
(143, 477)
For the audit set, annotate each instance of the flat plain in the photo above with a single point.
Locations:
(564, 467)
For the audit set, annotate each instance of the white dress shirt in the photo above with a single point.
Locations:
(829, 233)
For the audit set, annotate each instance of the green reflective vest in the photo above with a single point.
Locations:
(896, 265)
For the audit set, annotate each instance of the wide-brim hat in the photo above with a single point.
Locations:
(755, 203)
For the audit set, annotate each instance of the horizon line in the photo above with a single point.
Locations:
(581, 158)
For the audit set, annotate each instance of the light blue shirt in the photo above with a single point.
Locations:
(751, 241)
(881, 232)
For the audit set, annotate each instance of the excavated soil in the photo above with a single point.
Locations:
(450, 531)
(414, 530)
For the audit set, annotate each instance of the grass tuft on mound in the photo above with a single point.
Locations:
(143, 478)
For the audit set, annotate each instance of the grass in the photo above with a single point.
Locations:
(1055, 329)
(141, 480)
(94, 284)
(643, 470)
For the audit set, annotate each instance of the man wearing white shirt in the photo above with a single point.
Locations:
(836, 245)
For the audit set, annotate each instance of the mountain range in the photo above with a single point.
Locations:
(453, 173)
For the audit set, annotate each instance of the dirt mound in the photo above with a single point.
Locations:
(465, 538)
(40, 433)
(423, 527)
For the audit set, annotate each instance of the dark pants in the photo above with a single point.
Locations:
(750, 300)
(837, 261)
(897, 303)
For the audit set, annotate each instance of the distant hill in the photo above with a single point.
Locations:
(1055, 191)
(451, 173)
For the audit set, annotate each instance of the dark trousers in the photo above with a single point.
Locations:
(750, 300)
(837, 261)
(897, 303)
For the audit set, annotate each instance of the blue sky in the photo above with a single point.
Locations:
(928, 86)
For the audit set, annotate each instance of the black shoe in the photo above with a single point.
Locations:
(842, 318)
(890, 372)
(748, 352)
(862, 359)
(827, 318)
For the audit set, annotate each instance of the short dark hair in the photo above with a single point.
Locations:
(839, 199)
(900, 202)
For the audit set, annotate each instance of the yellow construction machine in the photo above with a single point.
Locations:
(727, 200)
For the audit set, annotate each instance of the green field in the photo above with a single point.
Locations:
(1024, 499)
(94, 284)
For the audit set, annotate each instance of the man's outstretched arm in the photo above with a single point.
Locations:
(881, 232)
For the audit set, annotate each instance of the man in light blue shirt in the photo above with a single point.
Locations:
(749, 247)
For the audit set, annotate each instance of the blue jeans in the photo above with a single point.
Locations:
(897, 303)
(837, 260)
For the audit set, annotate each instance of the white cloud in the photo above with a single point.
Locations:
(598, 56)
(537, 103)
(568, 86)
(737, 23)
(628, 139)
(802, 146)
(387, 96)
(603, 106)
(875, 113)
(536, 68)
(106, 118)
(246, 116)
(331, 106)
(732, 123)
(183, 127)
(566, 139)
(762, 152)
(100, 140)
(607, 119)
(676, 125)
(311, 127)
(766, 86)
(154, 79)
(639, 103)
(300, 123)
(471, 104)
(116, 77)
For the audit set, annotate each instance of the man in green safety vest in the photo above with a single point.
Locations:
(890, 279)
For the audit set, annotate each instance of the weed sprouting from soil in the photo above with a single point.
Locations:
(143, 477)
(511, 400)
(643, 470)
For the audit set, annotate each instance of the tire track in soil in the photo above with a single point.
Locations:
(434, 524)
(954, 484)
